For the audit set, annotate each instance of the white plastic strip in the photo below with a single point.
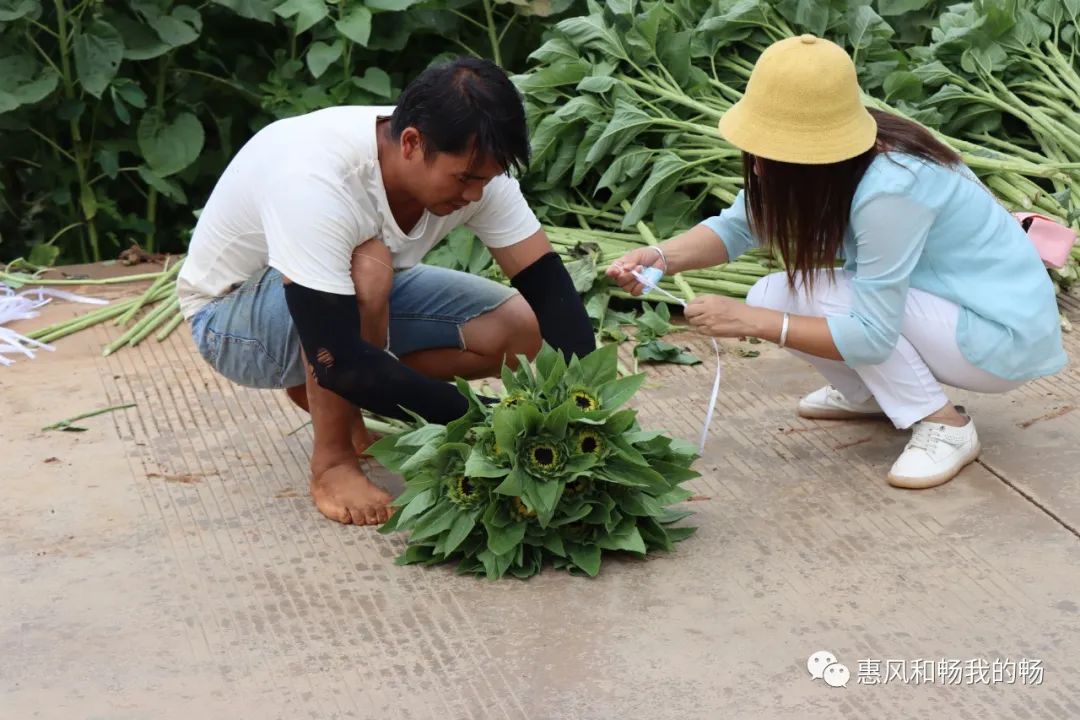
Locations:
(24, 306)
(649, 280)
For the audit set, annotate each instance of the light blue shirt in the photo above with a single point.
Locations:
(918, 224)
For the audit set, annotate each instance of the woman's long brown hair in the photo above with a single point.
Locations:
(803, 211)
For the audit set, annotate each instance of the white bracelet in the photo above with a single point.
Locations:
(784, 330)
(662, 256)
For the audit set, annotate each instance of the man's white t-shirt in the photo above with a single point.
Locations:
(304, 192)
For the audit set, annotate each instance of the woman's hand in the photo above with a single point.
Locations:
(621, 270)
(724, 317)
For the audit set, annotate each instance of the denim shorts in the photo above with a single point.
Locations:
(248, 335)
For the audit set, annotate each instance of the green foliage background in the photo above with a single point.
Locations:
(117, 117)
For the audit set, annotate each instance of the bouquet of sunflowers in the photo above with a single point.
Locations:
(555, 470)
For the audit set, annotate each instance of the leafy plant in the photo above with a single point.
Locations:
(117, 118)
(556, 470)
(624, 100)
(653, 324)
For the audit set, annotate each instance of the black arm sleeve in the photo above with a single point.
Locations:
(342, 362)
(564, 324)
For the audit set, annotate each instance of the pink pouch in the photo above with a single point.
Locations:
(1053, 240)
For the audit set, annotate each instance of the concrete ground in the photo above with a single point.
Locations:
(167, 563)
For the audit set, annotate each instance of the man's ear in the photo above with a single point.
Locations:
(412, 144)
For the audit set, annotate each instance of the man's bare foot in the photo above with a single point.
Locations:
(343, 493)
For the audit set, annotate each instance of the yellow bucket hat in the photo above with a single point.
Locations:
(801, 105)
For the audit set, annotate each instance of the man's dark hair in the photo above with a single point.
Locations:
(464, 101)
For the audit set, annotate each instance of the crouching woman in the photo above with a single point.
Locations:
(939, 284)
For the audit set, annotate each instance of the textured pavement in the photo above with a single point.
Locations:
(168, 563)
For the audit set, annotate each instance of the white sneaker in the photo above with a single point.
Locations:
(828, 403)
(934, 455)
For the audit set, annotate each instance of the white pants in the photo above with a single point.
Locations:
(907, 385)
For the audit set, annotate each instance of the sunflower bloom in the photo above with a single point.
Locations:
(463, 491)
(589, 442)
(513, 399)
(544, 458)
(584, 399)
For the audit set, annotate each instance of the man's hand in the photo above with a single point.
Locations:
(373, 278)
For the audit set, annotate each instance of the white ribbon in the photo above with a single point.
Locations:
(24, 306)
(649, 280)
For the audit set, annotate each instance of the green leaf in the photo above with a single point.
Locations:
(640, 504)
(356, 25)
(553, 543)
(419, 505)
(24, 82)
(614, 394)
(415, 554)
(414, 486)
(680, 533)
(391, 5)
(666, 170)
(625, 451)
(169, 147)
(98, 51)
(587, 558)
(507, 423)
(555, 422)
(261, 10)
(661, 351)
(531, 418)
(900, 7)
(626, 123)
(11, 10)
(620, 422)
(306, 12)
(553, 76)
(438, 521)
(177, 29)
(141, 42)
(320, 56)
(514, 484)
(812, 15)
(568, 516)
(43, 255)
(166, 187)
(375, 81)
(597, 84)
(423, 435)
(88, 202)
(903, 85)
(673, 516)
(581, 162)
(108, 160)
(547, 497)
(555, 50)
(502, 540)
(479, 466)
(460, 530)
(630, 541)
(421, 457)
(131, 93)
(546, 360)
(622, 472)
(600, 366)
(673, 473)
(864, 25)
